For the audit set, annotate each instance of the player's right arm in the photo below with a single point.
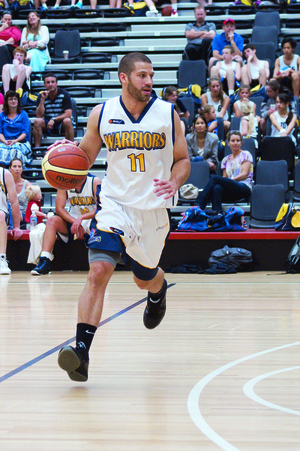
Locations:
(91, 143)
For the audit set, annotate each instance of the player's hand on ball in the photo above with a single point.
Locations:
(62, 141)
(164, 188)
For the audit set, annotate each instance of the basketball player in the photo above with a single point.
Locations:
(7, 188)
(76, 222)
(147, 163)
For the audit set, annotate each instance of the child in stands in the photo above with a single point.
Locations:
(34, 196)
(244, 94)
(211, 118)
(228, 70)
(283, 120)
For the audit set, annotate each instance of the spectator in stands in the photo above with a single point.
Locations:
(283, 120)
(255, 72)
(227, 70)
(249, 124)
(215, 96)
(237, 180)
(35, 38)
(203, 145)
(115, 3)
(17, 5)
(79, 4)
(68, 225)
(228, 37)
(268, 106)
(16, 169)
(7, 188)
(244, 94)
(34, 197)
(287, 67)
(169, 94)
(210, 115)
(53, 112)
(16, 75)
(9, 35)
(199, 35)
(14, 131)
(40, 5)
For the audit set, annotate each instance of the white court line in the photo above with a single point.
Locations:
(249, 391)
(193, 399)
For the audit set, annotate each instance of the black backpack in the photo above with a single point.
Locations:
(292, 264)
(238, 259)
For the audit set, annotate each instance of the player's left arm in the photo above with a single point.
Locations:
(181, 167)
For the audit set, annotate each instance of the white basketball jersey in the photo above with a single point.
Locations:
(84, 201)
(3, 192)
(138, 151)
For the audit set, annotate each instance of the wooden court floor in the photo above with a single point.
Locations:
(222, 370)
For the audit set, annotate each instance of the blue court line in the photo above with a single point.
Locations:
(71, 340)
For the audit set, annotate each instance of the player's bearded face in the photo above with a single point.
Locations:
(140, 83)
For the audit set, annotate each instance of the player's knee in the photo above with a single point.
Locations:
(99, 273)
(141, 284)
(295, 76)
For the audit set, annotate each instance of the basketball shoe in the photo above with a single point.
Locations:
(155, 311)
(75, 361)
(4, 268)
(43, 267)
(174, 13)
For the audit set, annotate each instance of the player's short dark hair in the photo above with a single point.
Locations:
(48, 75)
(291, 41)
(128, 61)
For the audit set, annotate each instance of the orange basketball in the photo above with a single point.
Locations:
(166, 11)
(65, 166)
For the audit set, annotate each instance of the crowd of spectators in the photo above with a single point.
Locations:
(234, 71)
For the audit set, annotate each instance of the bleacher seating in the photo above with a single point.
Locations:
(107, 35)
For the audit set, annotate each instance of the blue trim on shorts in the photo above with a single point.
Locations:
(106, 241)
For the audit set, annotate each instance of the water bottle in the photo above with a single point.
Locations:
(33, 221)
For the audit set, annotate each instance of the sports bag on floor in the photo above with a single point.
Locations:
(234, 257)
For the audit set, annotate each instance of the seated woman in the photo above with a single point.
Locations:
(203, 145)
(169, 94)
(283, 120)
(14, 131)
(16, 168)
(34, 39)
(237, 180)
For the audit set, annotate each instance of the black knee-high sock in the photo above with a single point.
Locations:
(85, 334)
